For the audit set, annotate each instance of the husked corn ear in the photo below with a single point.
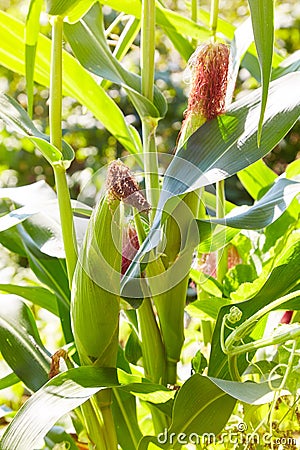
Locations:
(95, 294)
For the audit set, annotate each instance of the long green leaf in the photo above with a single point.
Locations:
(219, 149)
(268, 209)
(88, 42)
(20, 343)
(257, 178)
(31, 38)
(39, 239)
(36, 294)
(56, 398)
(194, 412)
(195, 407)
(77, 82)
(262, 16)
(65, 392)
(9, 380)
(15, 116)
(61, 7)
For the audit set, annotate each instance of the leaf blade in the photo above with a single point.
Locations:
(262, 16)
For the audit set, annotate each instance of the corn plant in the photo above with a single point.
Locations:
(131, 259)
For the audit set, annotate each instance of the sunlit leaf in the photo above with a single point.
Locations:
(194, 413)
(16, 117)
(257, 178)
(61, 7)
(31, 38)
(266, 210)
(9, 380)
(20, 343)
(88, 42)
(62, 394)
(77, 82)
(36, 294)
(262, 15)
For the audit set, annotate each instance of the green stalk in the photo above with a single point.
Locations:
(214, 12)
(62, 190)
(222, 254)
(194, 17)
(152, 346)
(93, 425)
(148, 123)
(109, 428)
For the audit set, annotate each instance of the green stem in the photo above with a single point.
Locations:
(109, 428)
(222, 254)
(102, 404)
(152, 346)
(150, 163)
(149, 124)
(66, 218)
(63, 194)
(94, 425)
(194, 17)
(214, 12)
(233, 368)
(240, 331)
(148, 48)
(154, 358)
(56, 83)
(127, 418)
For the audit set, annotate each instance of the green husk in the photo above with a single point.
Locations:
(95, 307)
(181, 239)
(95, 295)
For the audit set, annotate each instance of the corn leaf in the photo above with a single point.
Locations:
(31, 38)
(61, 7)
(77, 83)
(194, 412)
(264, 212)
(89, 44)
(257, 178)
(39, 239)
(195, 406)
(20, 343)
(67, 391)
(262, 15)
(9, 380)
(16, 117)
(38, 295)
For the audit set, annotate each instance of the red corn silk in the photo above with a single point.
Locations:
(121, 185)
(208, 262)
(129, 248)
(209, 81)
